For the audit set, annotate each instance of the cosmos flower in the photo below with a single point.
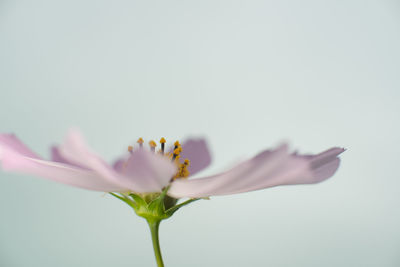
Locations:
(152, 181)
(146, 170)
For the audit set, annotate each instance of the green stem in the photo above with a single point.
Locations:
(156, 243)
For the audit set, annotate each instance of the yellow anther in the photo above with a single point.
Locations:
(152, 143)
(140, 141)
(185, 173)
(130, 149)
(177, 151)
(182, 171)
(186, 162)
(162, 140)
(177, 143)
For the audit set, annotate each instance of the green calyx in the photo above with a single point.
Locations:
(154, 207)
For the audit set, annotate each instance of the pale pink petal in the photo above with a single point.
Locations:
(324, 164)
(147, 171)
(267, 169)
(118, 165)
(196, 150)
(14, 158)
(57, 157)
(61, 173)
(76, 151)
(11, 142)
(153, 171)
(230, 181)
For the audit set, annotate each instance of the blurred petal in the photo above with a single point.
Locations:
(76, 151)
(267, 169)
(57, 157)
(147, 171)
(196, 150)
(11, 142)
(14, 156)
(143, 172)
(61, 173)
(119, 164)
(324, 164)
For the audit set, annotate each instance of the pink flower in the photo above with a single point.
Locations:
(144, 171)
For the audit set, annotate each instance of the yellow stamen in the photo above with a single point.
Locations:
(140, 141)
(152, 143)
(182, 171)
(174, 156)
(162, 142)
(177, 151)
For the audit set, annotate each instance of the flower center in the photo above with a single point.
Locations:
(174, 156)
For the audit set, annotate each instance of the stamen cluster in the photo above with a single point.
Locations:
(175, 155)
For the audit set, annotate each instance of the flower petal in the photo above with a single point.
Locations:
(325, 164)
(118, 164)
(196, 150)
(11, 142)
(147, 171)
(267, 169)
(58, 157)
(15, 156)
(143, 171)
(76, 151)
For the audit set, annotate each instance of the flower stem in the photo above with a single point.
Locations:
(154, 225)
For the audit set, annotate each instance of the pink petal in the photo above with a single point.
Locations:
(118, 165)
(57, 157)
(144, 171)
(196, 150)
(147, 171)
(76, 151)
(11, 142)
(324, 164)
(267, 169)
(15, 156)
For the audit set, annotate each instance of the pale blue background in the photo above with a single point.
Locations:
(246, 74)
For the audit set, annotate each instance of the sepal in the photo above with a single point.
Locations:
(175, 208)
(152, 207)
